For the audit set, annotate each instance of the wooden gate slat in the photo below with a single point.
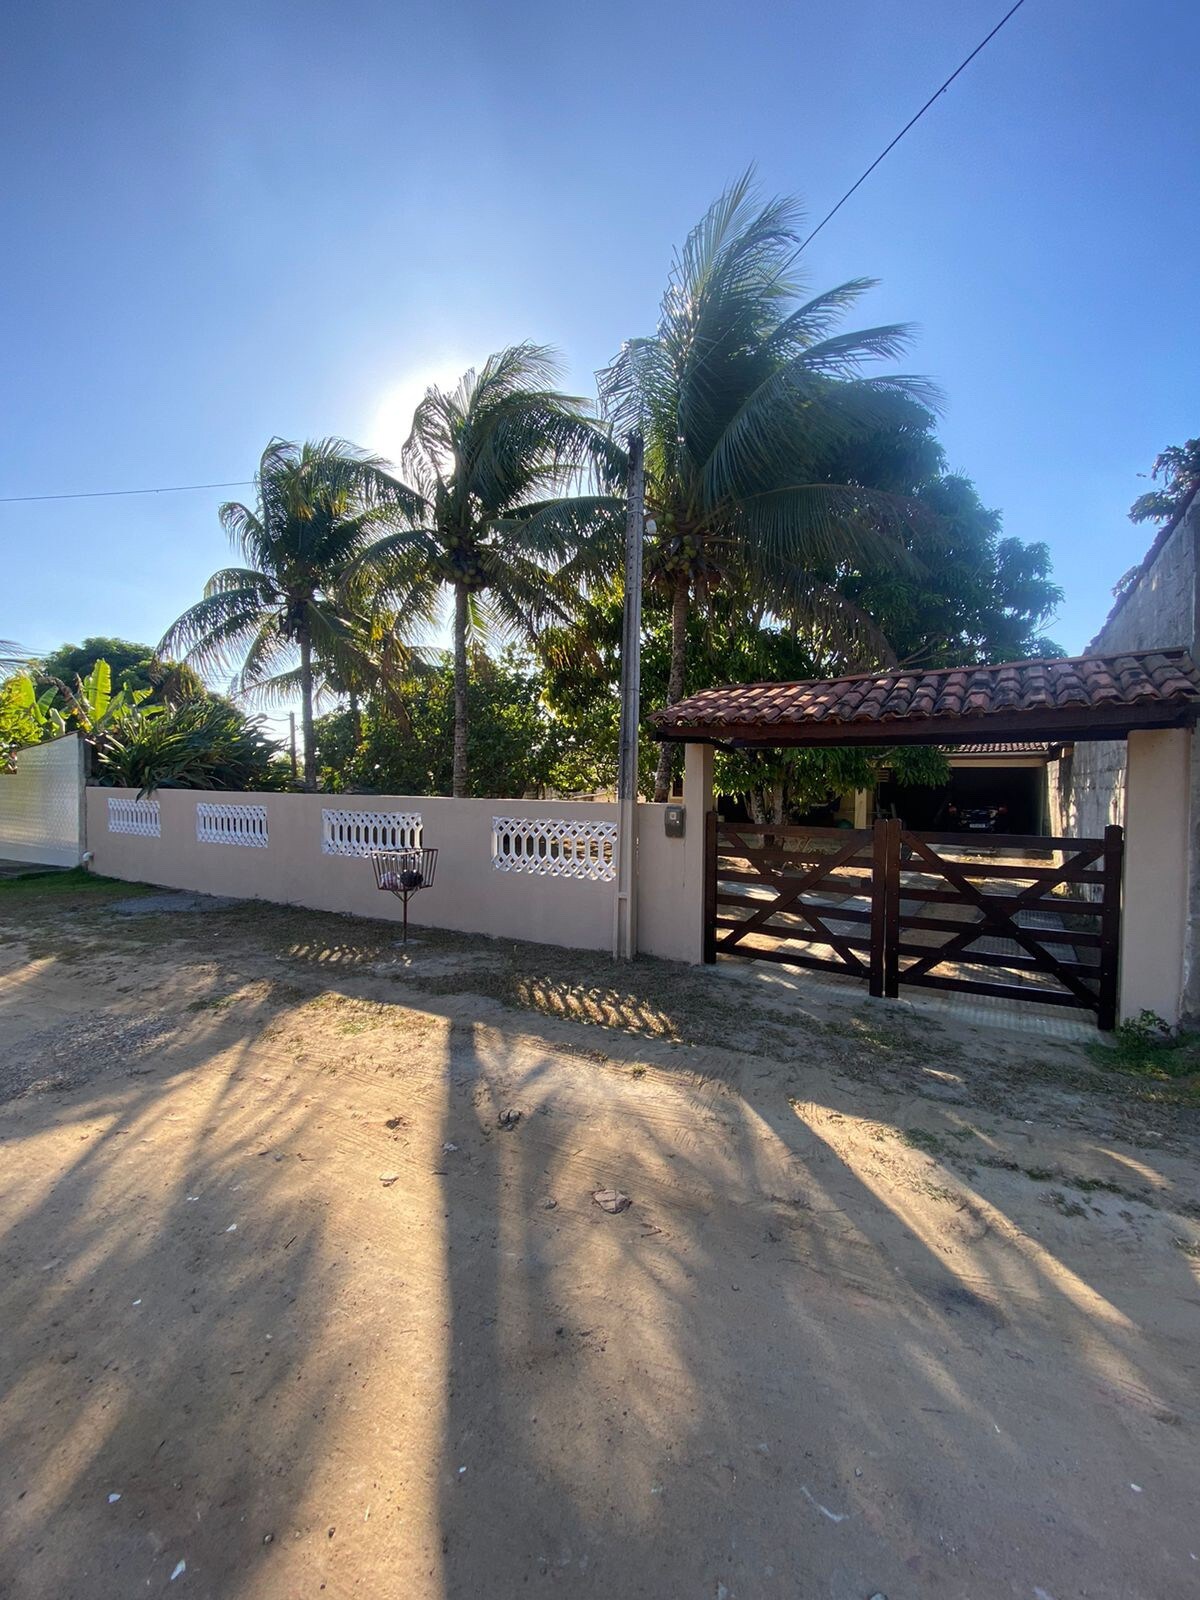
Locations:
(838, 913)
(1003, 902)
(1066, 874)
(856, 941)
(1085, 941)
(993, 958)
(1110, 927)
(999, 991)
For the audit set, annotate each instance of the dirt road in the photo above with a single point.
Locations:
(860, 1331)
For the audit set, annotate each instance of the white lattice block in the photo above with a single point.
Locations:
(229, 824)
(134, 816)
(554, 847)
(361, 833)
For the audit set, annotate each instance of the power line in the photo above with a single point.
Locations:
(912, 123)
(106, 494)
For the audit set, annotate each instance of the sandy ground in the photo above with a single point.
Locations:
(895, 1310)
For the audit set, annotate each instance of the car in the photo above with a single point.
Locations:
(977, 819)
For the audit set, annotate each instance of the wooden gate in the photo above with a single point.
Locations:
(804, 896)
(1021, 919)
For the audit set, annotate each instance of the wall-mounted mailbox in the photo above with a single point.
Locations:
(674, 818)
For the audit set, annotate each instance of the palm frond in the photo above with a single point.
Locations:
(821, 526)
(211, 632)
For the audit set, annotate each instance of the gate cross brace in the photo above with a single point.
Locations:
(786, 899)
(995, 920)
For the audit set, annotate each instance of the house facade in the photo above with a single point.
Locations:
(1158, 605)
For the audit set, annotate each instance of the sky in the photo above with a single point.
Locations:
(238, 220)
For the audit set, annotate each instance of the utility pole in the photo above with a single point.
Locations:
(292, 740)
(625, 907)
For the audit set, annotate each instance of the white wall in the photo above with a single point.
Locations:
(469, 894)
(41, 805)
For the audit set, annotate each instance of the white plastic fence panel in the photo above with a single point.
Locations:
(361, 833)
(134, 816)
(231, 824)
(554, 847)
(41, 805)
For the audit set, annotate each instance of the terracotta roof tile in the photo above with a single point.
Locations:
(1008, 692)
(1003, 747)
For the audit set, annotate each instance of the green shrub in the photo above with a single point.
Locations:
(201, 744)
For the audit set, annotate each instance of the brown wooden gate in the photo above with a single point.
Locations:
(1022, 919)
(798, 895)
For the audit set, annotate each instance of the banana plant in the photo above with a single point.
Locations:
(92, 709)
(24, 717)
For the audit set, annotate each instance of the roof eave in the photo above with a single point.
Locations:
(1060, 724)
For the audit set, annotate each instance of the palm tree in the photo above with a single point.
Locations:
(13, 657)
(281, 621)
(744, 396)
(487, 466)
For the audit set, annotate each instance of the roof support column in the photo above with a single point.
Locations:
(1155, 885)
(698, 802)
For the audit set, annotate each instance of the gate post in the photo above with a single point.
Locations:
(1154, 911)
(879, 908)
(891, 923)
(697, 803)
(1110, 928)
(711, 823)
(885, 909)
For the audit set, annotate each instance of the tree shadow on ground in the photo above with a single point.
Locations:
(777, 1373)
(174, 1363)
(793, 1365)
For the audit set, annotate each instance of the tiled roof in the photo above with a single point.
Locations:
(1017, 694)
(1002, 747)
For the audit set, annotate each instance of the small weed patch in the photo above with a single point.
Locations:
(1143, 1048)
(935, 1144)
(75, 880)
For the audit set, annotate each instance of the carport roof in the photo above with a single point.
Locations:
(1076, 698)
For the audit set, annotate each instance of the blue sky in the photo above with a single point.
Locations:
(237, 220)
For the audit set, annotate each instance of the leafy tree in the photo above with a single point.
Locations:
(128, 662)
(487, 469)
(581, 662)
(745, 397)
(968, 595)
(1178, 466)
(779, 785)
(582, 671)
(512, 741)
(282, 619)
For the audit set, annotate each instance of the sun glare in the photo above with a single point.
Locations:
(391, 420)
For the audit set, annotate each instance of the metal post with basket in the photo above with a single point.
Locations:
(404, 873)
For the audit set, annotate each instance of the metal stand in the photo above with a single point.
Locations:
(403, 873)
